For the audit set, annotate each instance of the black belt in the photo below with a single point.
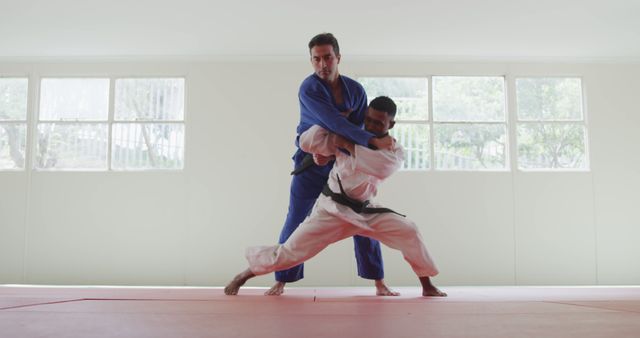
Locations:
(307, 162)
(355, 205)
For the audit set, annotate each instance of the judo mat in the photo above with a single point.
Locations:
(48, 311)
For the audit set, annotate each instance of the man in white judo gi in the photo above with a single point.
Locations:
(344, 209)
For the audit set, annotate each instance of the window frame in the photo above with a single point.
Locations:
(113, 121)
(431, 123)
(110, 121)
(37, 121)
(25, 122)
(505, 123)
(584, 123)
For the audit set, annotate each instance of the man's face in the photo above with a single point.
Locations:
(325, 62)
(378, 122)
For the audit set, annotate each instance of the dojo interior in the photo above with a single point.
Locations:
(145, 252)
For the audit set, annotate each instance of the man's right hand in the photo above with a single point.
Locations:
(386, 142)
(346, 113)
(342, 143)
(321, 160)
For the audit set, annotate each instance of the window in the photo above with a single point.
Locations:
(411, 96)
(149, 132)
(73, 124)
(13, 123)
(469, 123)
(469, 120)
(551, 127)
(77, 130)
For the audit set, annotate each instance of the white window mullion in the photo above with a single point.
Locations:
(34, 110)
(585, 123)
(32, 93)
(512, 146)
(110, 121)
(432, 138)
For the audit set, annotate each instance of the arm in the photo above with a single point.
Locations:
(317, 108)
(317, 140)
(377, 163)
(382, 143)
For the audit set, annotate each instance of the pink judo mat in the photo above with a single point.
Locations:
(29, 311)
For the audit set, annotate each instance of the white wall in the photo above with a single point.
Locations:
(191, 227)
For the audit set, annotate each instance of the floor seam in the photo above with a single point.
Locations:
(593, 307)
(46, 303)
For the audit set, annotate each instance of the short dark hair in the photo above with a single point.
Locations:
(385, 104)
(325, 39)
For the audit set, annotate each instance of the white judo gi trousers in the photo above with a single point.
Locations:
(330, 222)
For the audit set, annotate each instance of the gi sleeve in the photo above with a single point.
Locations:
(321, 106)
(317, 140)
(359, 114)
(378, 163)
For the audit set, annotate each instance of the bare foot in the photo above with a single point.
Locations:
(429, 290)
(383, 290)
(276, 290)
(433, 292)
(232, 288)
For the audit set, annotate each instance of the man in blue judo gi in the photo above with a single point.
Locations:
(338, 104)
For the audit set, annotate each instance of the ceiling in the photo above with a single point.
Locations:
(454, 29)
